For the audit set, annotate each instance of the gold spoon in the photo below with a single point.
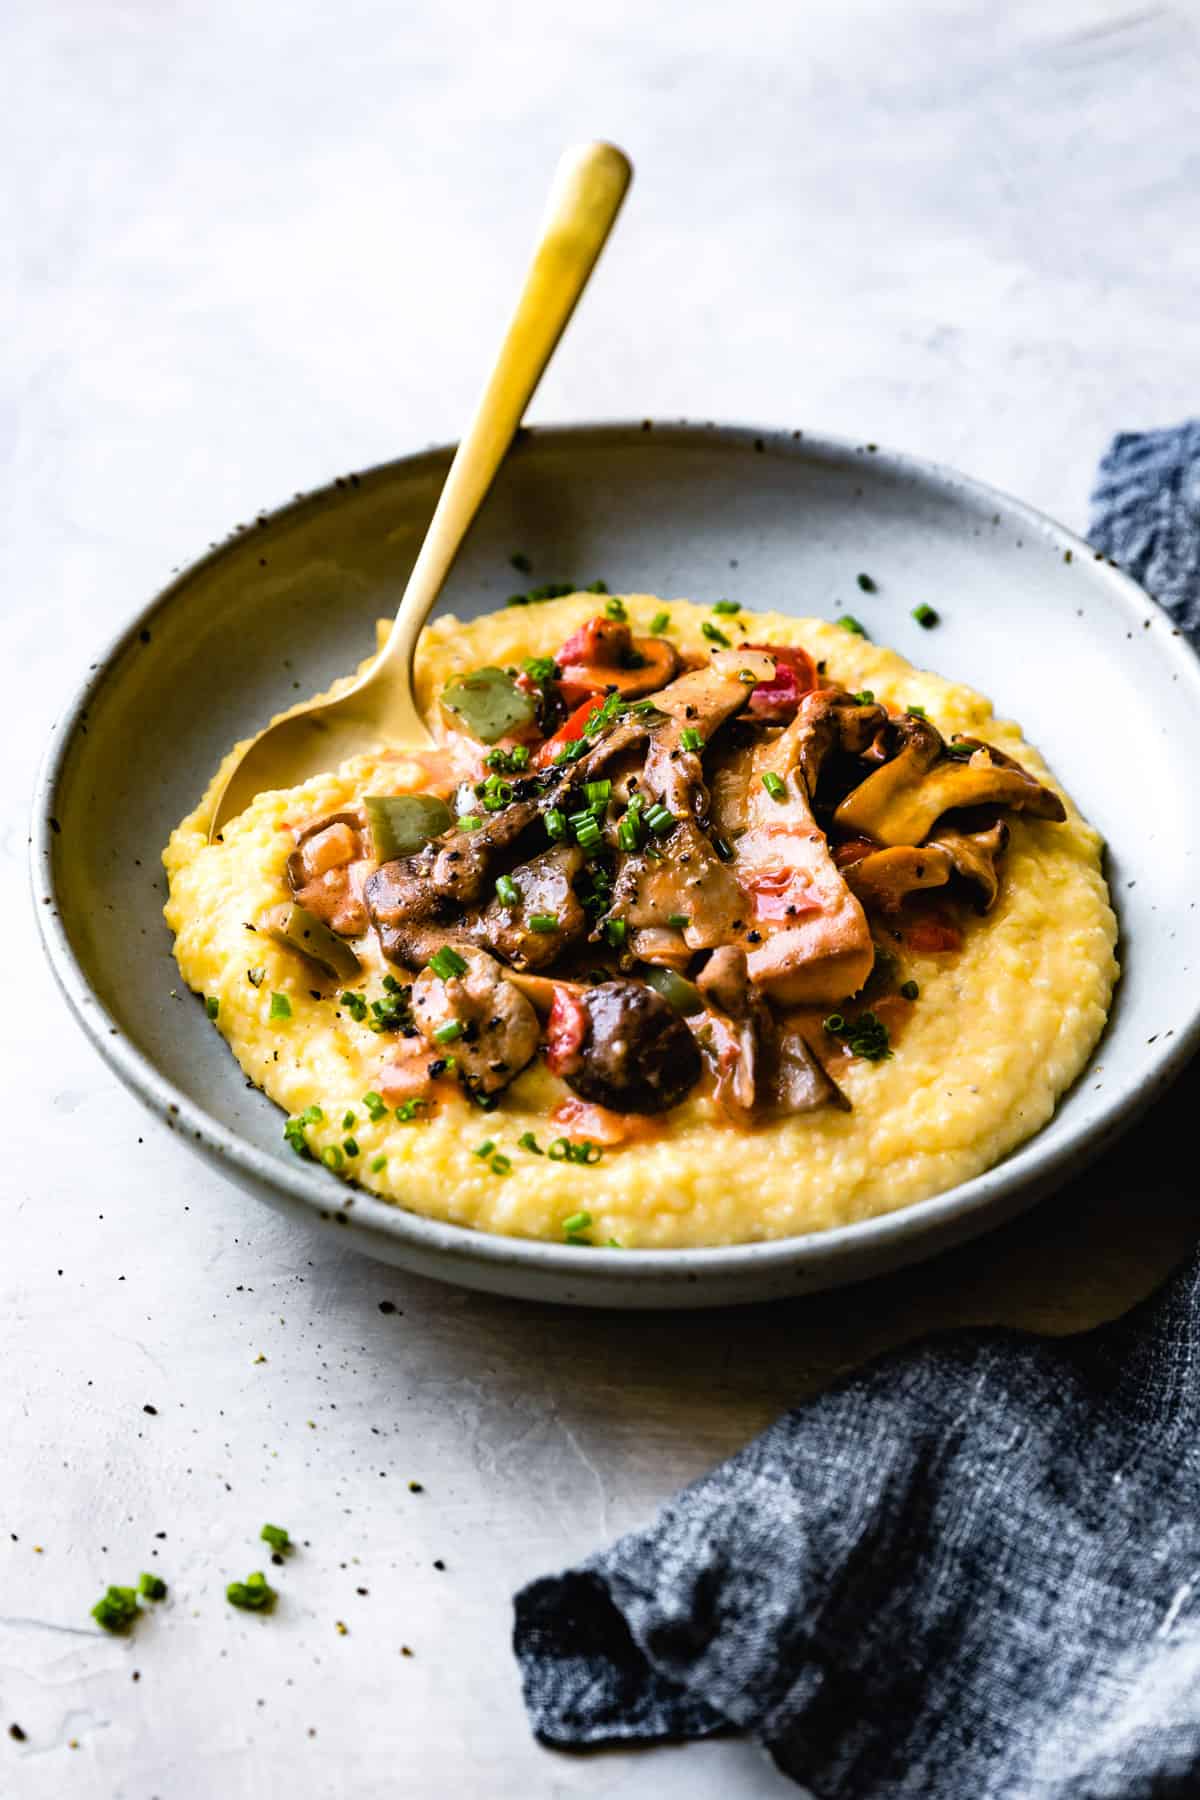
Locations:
(589, 186)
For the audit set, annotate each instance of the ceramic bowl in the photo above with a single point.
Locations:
(1060, 640)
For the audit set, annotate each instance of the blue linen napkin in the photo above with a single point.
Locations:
(971, 1571)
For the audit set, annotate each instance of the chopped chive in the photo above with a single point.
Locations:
(926, 616)
(556, 823)
(500, 1164)
(849, 623)
(616, 931)
(543, 922)
(484, 1150)
(775, 785)
(376, 1106)
(660, 820)
(691, 740)
(521, 563)
(446, 963)
(527, 1141)
(212, 1006)
(659, 623)
(596, 587)
(332, 1157)
(407, 1110)
(378, 1163)
(277, 1537)
(723, 848)
(151, 1587)
(312, 1115)
(917, 711)
(678, 920)
(509, 762)
(598, 793)
(866, 583)
(355, 1005)
(468, 822)
(348, 1119)
(446, 1034)
(910, 990)
(728, 607)
(540, 668)
(255, 1594)
(350, 1146)
(865, 698)
(713, 633)
(834, 1023)
(507, 891)
(116, 1609)
(577, 1222)
(615, 609)
(281, 1007)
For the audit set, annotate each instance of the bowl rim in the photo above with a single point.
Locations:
(1031, 1164)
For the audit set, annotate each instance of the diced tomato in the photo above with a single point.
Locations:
(565, 1031)
(795, 675)
(569, 732)
(933, 935)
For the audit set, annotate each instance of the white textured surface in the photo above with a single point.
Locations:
(246, 247)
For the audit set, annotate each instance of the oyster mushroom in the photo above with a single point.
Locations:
(901, 802)
(975, 856)
(497, 1028)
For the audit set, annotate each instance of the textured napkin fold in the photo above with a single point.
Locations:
(971, 1571)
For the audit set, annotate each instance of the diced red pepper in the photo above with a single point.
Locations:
(795, 675)
(569, 732)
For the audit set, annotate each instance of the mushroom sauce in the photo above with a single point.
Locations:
(695, 926)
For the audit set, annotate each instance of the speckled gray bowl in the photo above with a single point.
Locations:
(1060, 640)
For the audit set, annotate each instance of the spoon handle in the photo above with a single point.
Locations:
(589, 186)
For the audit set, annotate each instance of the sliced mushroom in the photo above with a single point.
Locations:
(411, 919)
(497, 1028)
(830, 719)
(632, 1052)
(700, 701)
(679, 884)
(760, 1066)
(543, 891)
(882, 878)
(975, 856)
(603, 655)
(901, 802)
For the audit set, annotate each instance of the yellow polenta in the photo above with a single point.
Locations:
(1000, 1030)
